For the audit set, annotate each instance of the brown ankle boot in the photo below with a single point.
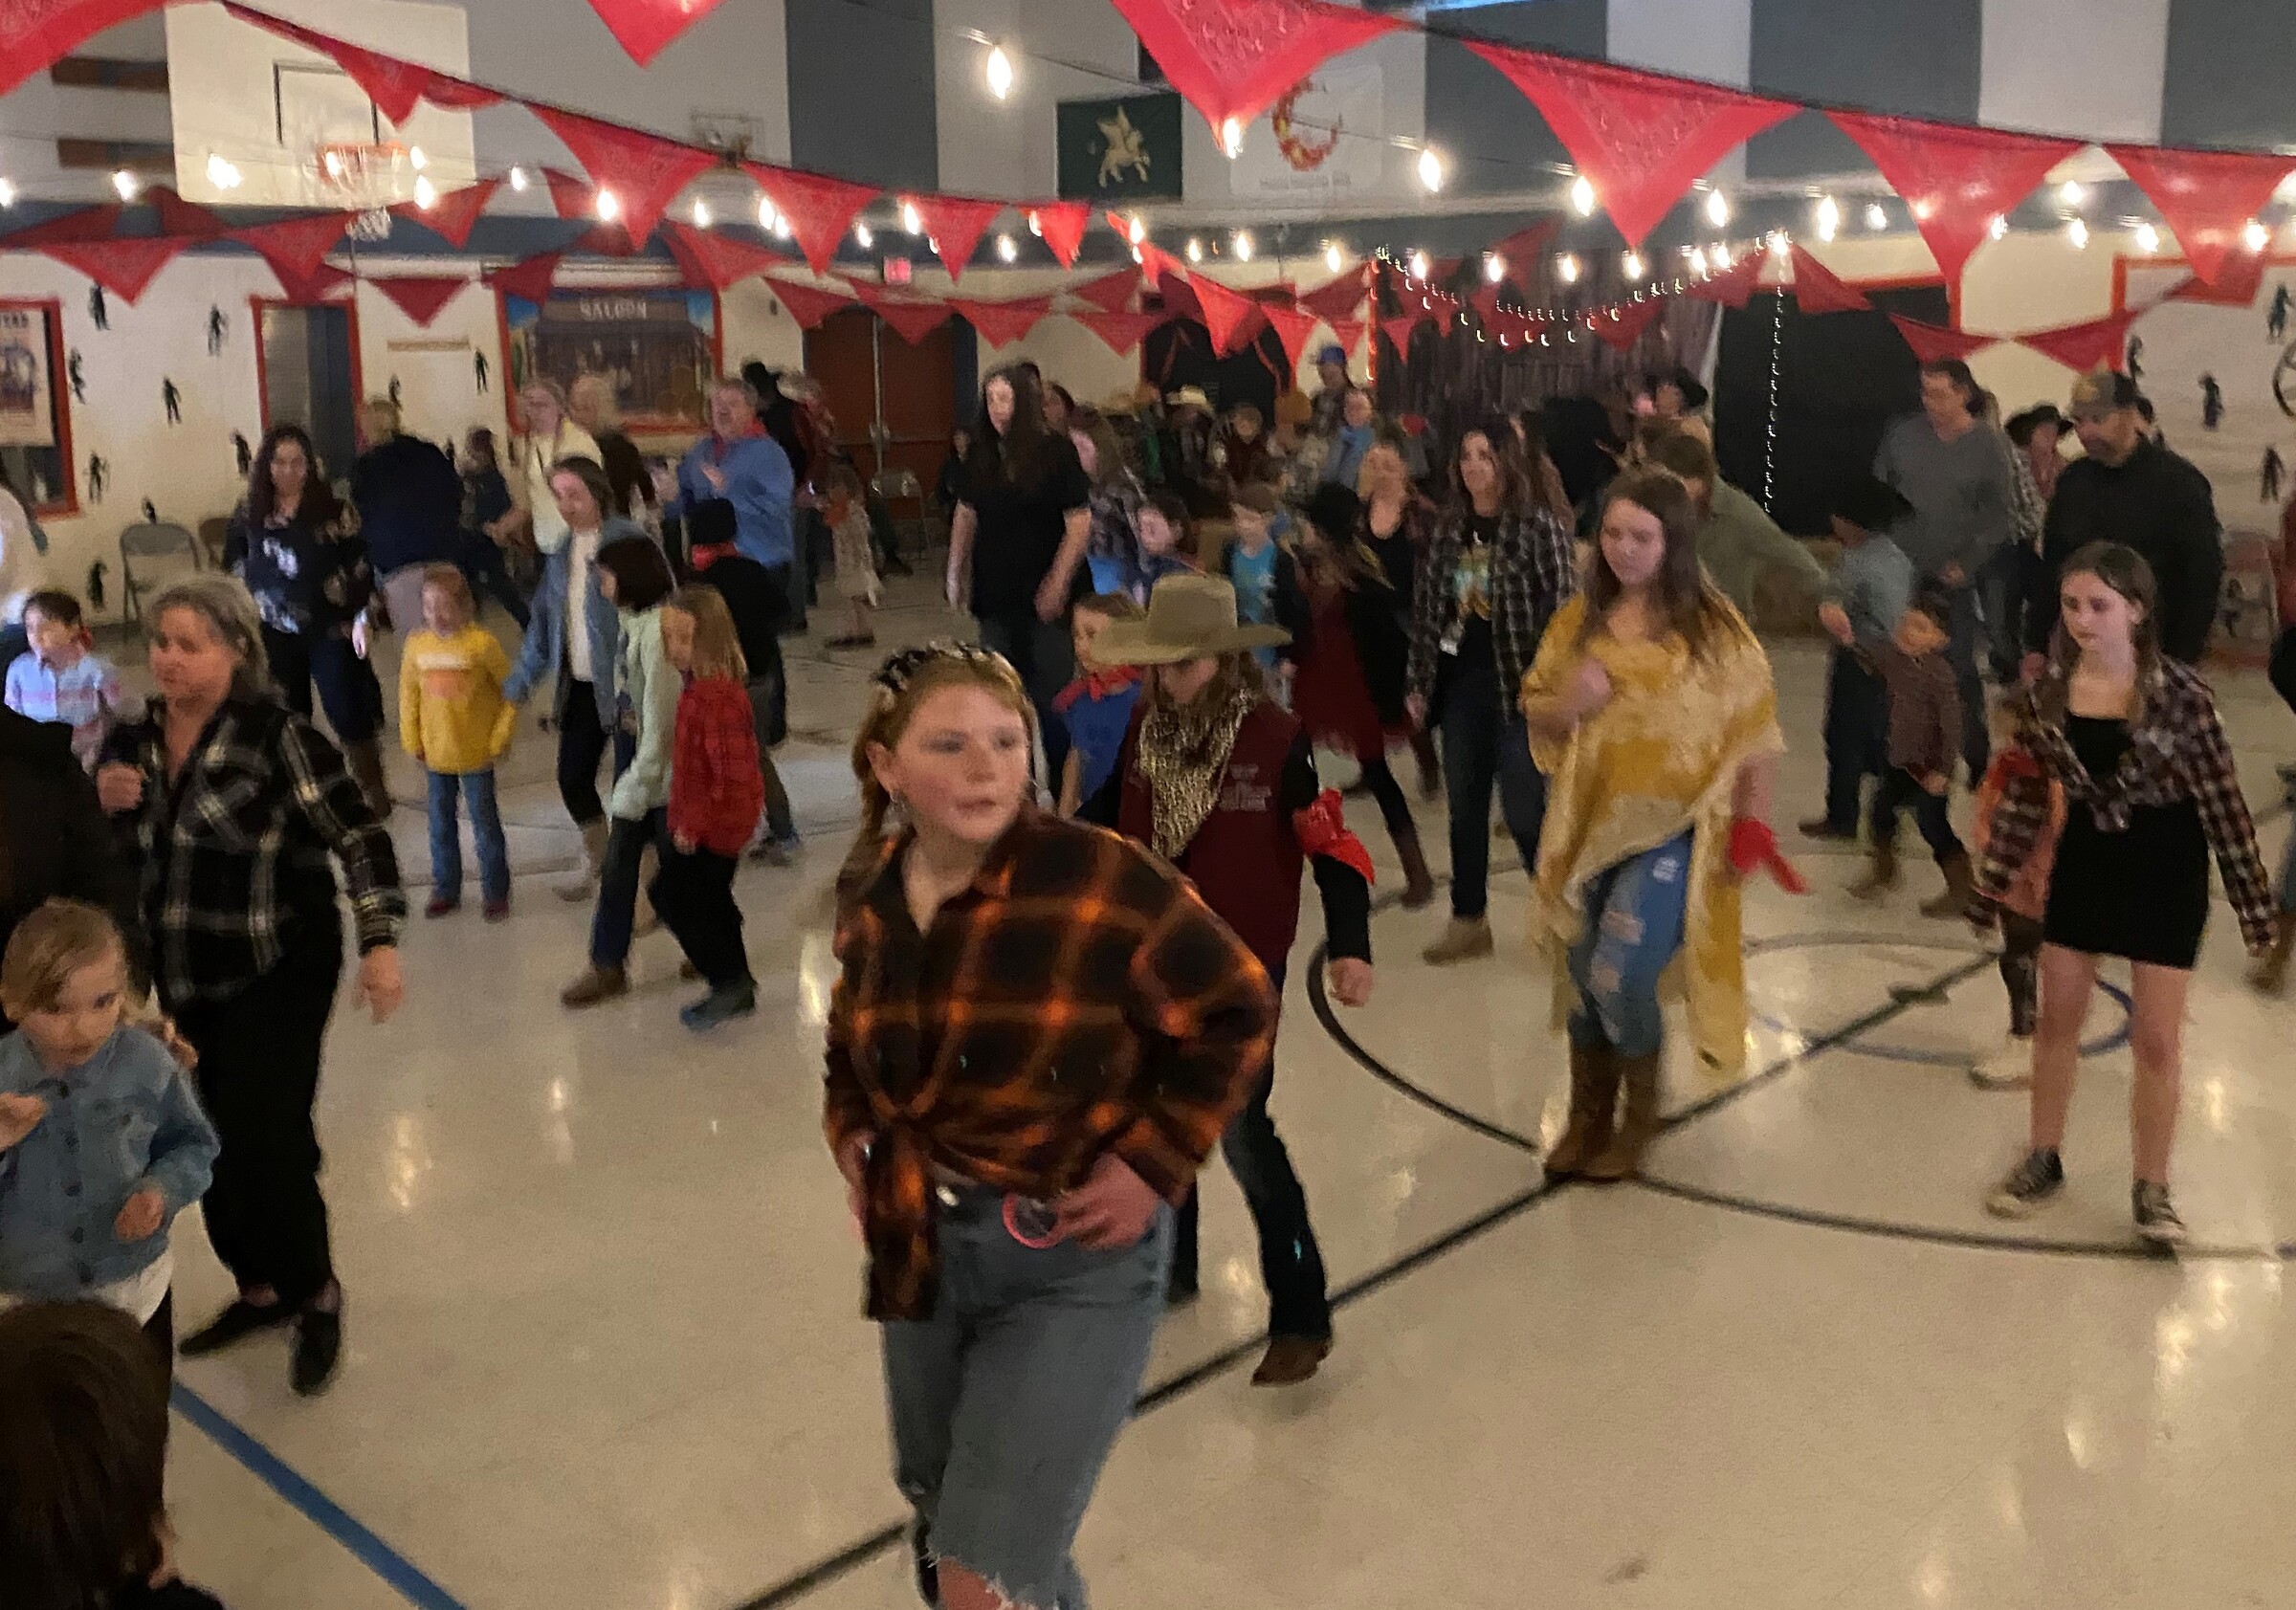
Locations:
(1623, 1156)
(1880, 875)
(1593, 1111)
(595, 984)
(1960, 883)
(2270, 974)
(1463, 939)
(1419, 884)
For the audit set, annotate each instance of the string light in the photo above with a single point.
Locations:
(1829, 217)
(1494, 266)
(862, 235)
(1779, 244)
(1036, 224)
(765, 212)
(1332, 258)
(609, 207)
(127, 184)
(1566, 269)
(1195, 249)
(426, 193)
(912, 222)
(2147, 239)
(701, 213)
(1009, 249)
(518, 179)
(781, 223)
(1999, 228)
(1721, 255)
(2077, 233)
(1718, 209)
(1419, 264)
(1430, 168)
(8, 193)
(1582, 195)
(1137, 232)
(1877, 217)
(2256, 237)
(1241, 245)
(2071, 193)
(222, 174)
(1631, 265)
(1231, 137)
(1698, 260)
(415, 158)
(1000, 72)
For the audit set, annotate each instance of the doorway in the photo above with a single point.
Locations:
(307, 369)
(894, 403)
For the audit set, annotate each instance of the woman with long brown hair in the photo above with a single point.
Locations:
(1037, 1033)
(1398, 522)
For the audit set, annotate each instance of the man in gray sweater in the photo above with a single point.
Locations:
(1946, 462)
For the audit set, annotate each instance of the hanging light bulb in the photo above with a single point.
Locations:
(1138, 231)
(2255, 236)
(426, 193)
(1631, 265)
(1430, 168)
(1418, 264)
(1231, 137)
(8, 193)
(222, 174)
(701, 213)
(518, 179)
(1195, 249)
(1877, 217)
(911, 223)
(1698, 261)
(2147, 239)
(1494, 266)
(1136, 255)
(862, 235)
(127, 184)
(1000, 72)
(765, 213)
(2071, 193)
(1036, 224)
(781, 223)
(415, 158)
(609, 207)
(2077, 233)
(1999, 226)
(1718, 209)
(1582, 195)
(1242, 246)
(1720, 256)
(1780, 243)
(1829, 217)
(1332, 258)
(1566, 269)
(1009, 249)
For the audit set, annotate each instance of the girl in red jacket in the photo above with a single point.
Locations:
(715, 798)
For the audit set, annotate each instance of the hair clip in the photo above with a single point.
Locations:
(894, 675)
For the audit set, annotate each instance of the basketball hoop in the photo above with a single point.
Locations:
(364, 176)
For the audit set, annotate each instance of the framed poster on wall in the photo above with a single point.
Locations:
(35, 419)
(657, 343)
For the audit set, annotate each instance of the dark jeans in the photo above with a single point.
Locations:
(795, 600)
(693, 896)
(1857, 735)
(348, 689)
(488, 573)
(2001, 591)
(2020, 970)
(582, 744)
(1899, 790)
(2282, 665)
(1290, 1263)
(1042, 653)
(1387, 794)
(1483, 743)
(768, 701)
(617, 913)
(259, 1077)
(1962, 653)
(159, 1330)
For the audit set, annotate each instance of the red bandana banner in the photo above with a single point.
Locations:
(644, 170)
(2237, 283)
(422, 297)
(184, 218)
(1819, 289)
(642, 27)
(296, 247)
(1001, 323)
(1350, 331)
(605, 240)
(2096, 344)
(454, 215)
(1955, 180)
(1622, 326)
(1293, 327)
(1397, 332)
(808, 304)
(1340, 296)
(1232, 58)
(820, 210)
(719, 260)
(1934, 342)
(1735, 286)
(1062, 225)
(912, 318)
(323, 282)
(530, 280)
(1121, 330)
(87, 223)
(1638, 138)
(35, 34)
(956, 224)
(1110, 292)
(571, 197)
(1227, 314)
(394, 85)
(121, 267)
(2208, 197)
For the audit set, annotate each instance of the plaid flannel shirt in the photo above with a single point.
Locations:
(2177, 752)
(233, 857)
(1533, 574)
(1078, 997)
(2028, 509)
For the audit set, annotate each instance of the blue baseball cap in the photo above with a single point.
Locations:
(1333, 353)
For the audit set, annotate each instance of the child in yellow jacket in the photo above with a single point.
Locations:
(454, 719)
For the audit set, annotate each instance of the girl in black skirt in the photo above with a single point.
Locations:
(2149, 791)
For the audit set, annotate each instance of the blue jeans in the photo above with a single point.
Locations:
(1634, 922)
(486, 832)
(1857, 736)
(1484, 742)
(617, 913)
(1006, 1402)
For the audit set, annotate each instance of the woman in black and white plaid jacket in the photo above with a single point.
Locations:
(2150, 792)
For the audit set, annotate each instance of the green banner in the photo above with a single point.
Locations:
(1120, 149)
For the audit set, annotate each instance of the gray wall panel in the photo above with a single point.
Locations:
(1883, 56)
(1495, 138)
(861, 91)
(2231, 74)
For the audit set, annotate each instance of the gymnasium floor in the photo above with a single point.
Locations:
(604, 1346)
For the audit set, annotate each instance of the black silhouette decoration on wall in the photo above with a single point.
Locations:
(99, 309)
(478, 369)
(240, 450)
(217, 328)
(171, 400)
(79, 381)
(97, 470)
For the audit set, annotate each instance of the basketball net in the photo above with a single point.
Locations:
(362, 176)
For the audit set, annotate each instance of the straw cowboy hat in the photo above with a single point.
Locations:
(1189, 617)
(1189, 397)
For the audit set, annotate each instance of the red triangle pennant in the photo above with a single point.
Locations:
(1232, 58)
(808, 304)
(1934, 342)
(35, 34)
(122, 267)
(1062, 223)
(296, 247)
(1956, 180)
(1527, 245)
(2095, 344)
(422, 297)
(1397, 332)
(2237, 284)
(1620, 327)
(1350, 332)
(323, 282)
(454, 215)
(183, 218)
(1293, 327)
(1120, 329)
(1156, 263)
(606, 240)
(1338, 298)
(956, 224)
(1112, 293)
(571, 197)
(644, 170)
(530, 280)
(1735, 286)
(1819, 289)
(87, 223)
(642, 27)
(1001, 323)
(394, 85)
(913, 322)
(820, 210)
(719, 260)
(2208, 197)
(1639, 138)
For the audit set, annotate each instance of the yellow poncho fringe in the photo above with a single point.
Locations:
(1662, 756)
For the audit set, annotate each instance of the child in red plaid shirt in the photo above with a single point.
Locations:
(715, 798)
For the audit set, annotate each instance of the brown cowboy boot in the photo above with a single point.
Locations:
(365, 757)
(1960, 883)
(1881, 872)
(1593, 1111)
(2270, 974)
(1419, 884)
(1624, 1156)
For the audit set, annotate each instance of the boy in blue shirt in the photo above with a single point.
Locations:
(102, 1142)
(1097, 706)
(61, 678)
(1869, 591)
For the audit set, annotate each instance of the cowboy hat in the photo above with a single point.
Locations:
(1191, 397)
(1189, 617)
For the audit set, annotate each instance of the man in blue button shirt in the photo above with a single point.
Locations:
(738, 462)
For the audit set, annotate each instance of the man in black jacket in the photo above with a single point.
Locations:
(54, 839)
(2128, 489)
(408, 496)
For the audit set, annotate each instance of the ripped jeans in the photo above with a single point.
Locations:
(1634, 924)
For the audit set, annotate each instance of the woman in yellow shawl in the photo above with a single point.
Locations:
(1651, 709)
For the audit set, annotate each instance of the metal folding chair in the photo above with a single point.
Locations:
(152, 555)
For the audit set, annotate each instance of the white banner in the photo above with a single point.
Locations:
(27, 408)
(1325, 138)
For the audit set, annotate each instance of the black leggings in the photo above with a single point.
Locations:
(348, 689)
(2020, 970)
(1388, 794)
(582, 742)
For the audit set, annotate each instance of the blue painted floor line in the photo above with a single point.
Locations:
(405, 1577)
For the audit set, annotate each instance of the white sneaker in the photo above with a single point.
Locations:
(2009, 1068)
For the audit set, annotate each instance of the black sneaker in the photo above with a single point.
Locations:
(318, 1348)
(2155, 1215)
(235, 1323)
(2030, 1187)
(928, 1570)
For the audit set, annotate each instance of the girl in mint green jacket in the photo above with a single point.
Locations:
(636, 576)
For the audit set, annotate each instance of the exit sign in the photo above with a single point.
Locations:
(898, 270)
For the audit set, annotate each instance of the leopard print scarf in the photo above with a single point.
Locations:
(1183, 754)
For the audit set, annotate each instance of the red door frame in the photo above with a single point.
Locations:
(255, 315)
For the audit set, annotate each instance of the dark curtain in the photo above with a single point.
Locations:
(1180, 354)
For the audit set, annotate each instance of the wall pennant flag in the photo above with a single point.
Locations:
(86, 222)
(642, 27)
(1527, 245)
(820, 210)
(1062, 225)
(186, 219)
(296, 247)
(1338, 298)
(1179, 298)
(1110, 292)
(1640, 139)
(323, 283)
(35, 34)
(1121, 330)
(1620, 327)
(1227, 314)
(1156, 263)
(644, 170)
(1350, 331)
(2207, 196)
(122, 267)
(2096, 344)
(529, 279)
(454, 215)
(605, 240)
(1735, 286)
(2237, 283)
(1934, 342)
(913, 322)
(1293, 327)
(422, 297)
(956, 224)
(571, 197)
(1233, 59)
(1397, 332)
(394, 85)
(719, 260)
(1955, 180)
(808, 304)
(1001, 323)
(1819, 289)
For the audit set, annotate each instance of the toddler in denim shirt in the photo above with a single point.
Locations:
(102, 1142)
